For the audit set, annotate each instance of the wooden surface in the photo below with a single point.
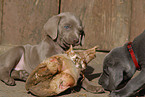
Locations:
(92, 72)
(138, 18)
(0, 20)
(107, 22)
(23, 20)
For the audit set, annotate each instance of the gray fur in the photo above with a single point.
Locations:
(118, 69)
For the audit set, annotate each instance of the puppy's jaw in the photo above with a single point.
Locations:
(67, 45)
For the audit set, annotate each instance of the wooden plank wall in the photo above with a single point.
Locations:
(23, 20)
(107, 22)
(138, 18)
(0, 20)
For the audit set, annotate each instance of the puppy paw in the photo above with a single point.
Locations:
(9, 81)
(23, 75)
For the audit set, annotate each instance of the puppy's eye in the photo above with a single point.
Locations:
(67, 27)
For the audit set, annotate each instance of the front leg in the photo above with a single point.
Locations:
(131, 87)
(8, 61)
(91, 88)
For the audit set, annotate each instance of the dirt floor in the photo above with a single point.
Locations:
(93, 72)
(19, 91)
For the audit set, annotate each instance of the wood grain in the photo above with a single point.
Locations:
(138, 18)
(0, 21)
(107, 22)
(23, 20)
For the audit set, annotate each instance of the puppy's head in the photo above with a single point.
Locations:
(117, 70)
(66, 29)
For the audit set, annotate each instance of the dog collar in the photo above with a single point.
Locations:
(129, 46)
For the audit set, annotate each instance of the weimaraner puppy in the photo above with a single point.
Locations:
(119, 67)
(62, 31)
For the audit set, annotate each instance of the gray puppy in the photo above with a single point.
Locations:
(119, 67)
(61, 30)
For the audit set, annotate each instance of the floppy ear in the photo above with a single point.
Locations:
(51, 26)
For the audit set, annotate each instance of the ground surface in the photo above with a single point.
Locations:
(93, 72)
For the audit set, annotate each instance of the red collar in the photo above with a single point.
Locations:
(129, 46)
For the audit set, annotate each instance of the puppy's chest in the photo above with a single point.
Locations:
(20, 65)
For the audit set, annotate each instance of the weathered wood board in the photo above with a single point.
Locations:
(23, 20)
(138, 18)
(106, 22)
(0, 20)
